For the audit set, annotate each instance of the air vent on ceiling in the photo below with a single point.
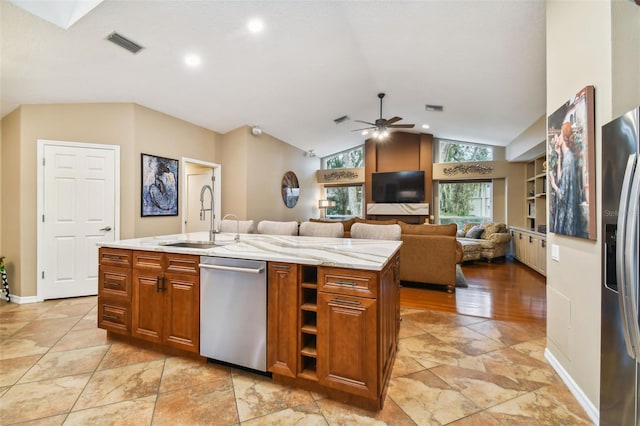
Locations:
(438, 108)
(341, 119)
(124, 42)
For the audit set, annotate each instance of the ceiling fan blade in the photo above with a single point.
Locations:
(402, 126)
(392, 120)
(366, 128)
(365, 122)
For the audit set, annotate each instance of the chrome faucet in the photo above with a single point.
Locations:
(237, 238)
(212, 231)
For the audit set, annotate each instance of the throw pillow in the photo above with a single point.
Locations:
(467, 226)
(475, 232)
(490, 228)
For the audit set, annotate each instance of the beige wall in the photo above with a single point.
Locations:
(530, 143)
(135, 129)
(573, 283)
(234, 152)
(252, 170)
(269, 159)
(11, 196)
(166, 136)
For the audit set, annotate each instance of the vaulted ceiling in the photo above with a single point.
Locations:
(314, 61)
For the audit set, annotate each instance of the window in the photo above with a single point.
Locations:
(348, 198)
(350, 158)
(462, 202)
(459, 152)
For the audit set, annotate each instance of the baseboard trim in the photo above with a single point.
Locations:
(20, 300)
(591, 410)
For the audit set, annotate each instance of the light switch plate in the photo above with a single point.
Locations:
(555, 252)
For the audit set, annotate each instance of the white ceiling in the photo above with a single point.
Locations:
(484, 61)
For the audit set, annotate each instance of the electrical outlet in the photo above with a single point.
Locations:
(555, 252)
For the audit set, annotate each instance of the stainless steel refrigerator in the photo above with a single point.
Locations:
(620, 330)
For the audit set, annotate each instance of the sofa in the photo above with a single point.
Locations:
(428, 255)
(488, 240)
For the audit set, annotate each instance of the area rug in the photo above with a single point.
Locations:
(460, 279)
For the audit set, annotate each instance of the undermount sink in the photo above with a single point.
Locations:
(198, 244)
(193, 244)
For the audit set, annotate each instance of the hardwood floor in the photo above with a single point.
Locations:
(504, 290)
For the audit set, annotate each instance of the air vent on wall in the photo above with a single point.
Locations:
(438, 108)
(341, 119)
(124, 42)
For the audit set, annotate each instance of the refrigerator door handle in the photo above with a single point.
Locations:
(621, 262)
(631, 266)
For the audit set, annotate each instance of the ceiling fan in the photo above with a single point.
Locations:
(381, 126)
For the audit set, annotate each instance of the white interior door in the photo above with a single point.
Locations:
(195, 182)
(79, 210)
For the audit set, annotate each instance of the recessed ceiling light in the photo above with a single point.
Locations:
(192, 60)
(365, 132)
(255, 25)
(425, 126)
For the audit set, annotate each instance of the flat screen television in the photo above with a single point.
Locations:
(398, 187)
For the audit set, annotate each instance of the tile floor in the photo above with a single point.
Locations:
(57, 368)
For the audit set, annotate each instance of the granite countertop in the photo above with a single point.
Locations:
(339, 252)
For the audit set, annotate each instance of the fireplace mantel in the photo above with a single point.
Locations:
(398, 209)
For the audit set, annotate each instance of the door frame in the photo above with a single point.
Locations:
(42, 143)
(217, 189)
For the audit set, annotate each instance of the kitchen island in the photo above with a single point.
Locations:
(332, 304)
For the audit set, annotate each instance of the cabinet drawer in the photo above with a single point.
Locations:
(114, 316)
(114, 282)
(186, 264)
(149, 260)
(348, 281)
(115, 257)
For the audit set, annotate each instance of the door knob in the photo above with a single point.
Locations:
(106, 228)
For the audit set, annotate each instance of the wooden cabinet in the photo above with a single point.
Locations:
(282, 322)
(114, 290)
(341, 338)
(166, 299)
(530, 248)
(347, 333)
(536, 193)
(151, 296)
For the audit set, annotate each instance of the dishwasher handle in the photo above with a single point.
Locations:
(232, 268)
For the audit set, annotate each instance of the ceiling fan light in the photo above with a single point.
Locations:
(385, 133)
(376, 133)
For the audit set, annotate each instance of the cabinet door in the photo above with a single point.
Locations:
(347, 345)
(147, 306)
(282, 319)
(182, 312)
(389, 306)
(517, 244)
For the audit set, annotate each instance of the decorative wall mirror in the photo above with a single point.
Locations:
(290, 189)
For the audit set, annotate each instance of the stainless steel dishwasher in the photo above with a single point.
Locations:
(233, 311)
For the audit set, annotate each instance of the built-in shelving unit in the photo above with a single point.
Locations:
(536, 194)
(308, 323)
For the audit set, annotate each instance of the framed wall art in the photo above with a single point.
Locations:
(571, 167)
(159, 186)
